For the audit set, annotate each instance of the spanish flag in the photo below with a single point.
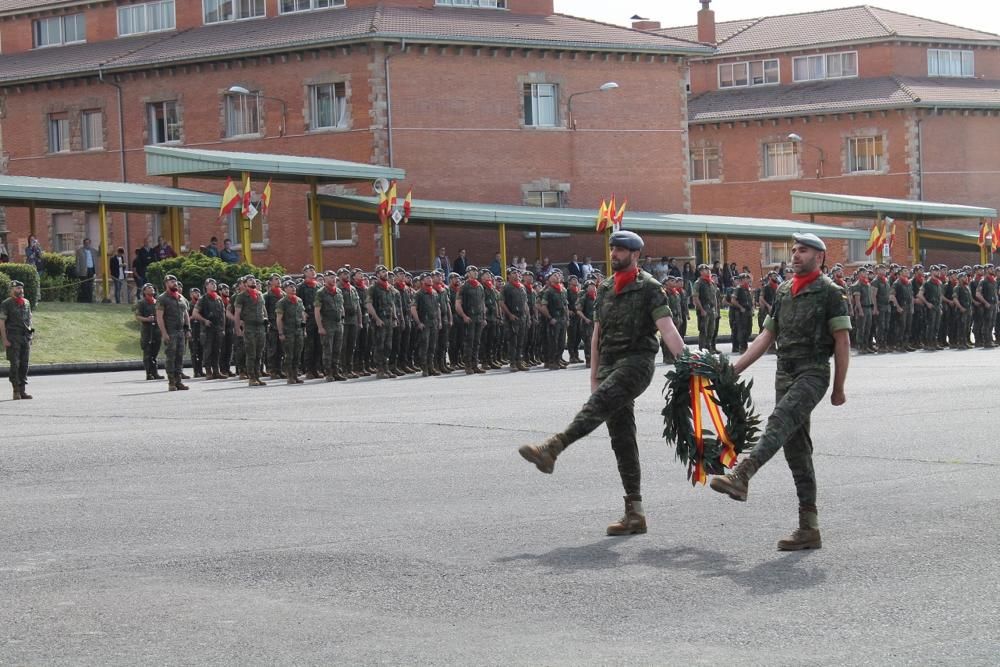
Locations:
(982, 233)
(230, 198)
(602, 216)
(407, 206)
(873, 240)
(246, 194)
(621, 214)
(392, 197)
(265, 198)
(383, 207)
(996, 235)
(891, 225)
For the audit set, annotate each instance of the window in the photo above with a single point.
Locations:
(864, 154)
(828, 66)
(545, 199)
(289, 6)
(242, 114)
(233, 229)
(92, 129)
(540, 102)
(781, 159)
(164, 122)
(148, 17)
(232, 10)
(856, 251)
(753, 73)
(329, 105)
(945, 62)
(63, 232)
(777, 252)
(59, 30)
(337, 230)
(492, 4)
(704, 164)
(59, 133)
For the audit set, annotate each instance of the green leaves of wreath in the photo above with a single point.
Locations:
(733, 398)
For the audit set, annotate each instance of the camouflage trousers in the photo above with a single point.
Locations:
(17, 355)
(332, 343)
(382, 345)
(864, 335)
(515, 340)
(173, 349)
(884, 319)
(932, 325)
(472, 336)
(621, 382)
(799, 387)
(253, 348)
(211, 345)
(427, 347)
(707, 326)
(150, 341)
(291, 348)
(347, 346)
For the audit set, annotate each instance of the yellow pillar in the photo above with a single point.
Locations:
(503, 250)
(432, 244)
(915, 241)
(314, 227)
(178, 230)
(538, 242)
(880, 225)
(32, 224)
(706, 249)
(607, 251)
(102, 215)
(386, 244)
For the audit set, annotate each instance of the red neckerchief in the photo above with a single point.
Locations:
(19, 300)
(488, 283)
(310, 282)
(429, 290)
(473, 282)
(840, 281)
(345, 285)
(516, 283)
(558, 287)
(176, 293)
(384, 284)
(455, 288)
(863, 280)
(882, 278)
(592, 292)
(935, 281)
(150, 299)
(276, 291)
(704, 279)
(253, 294)
(623, 278)
(401, 286)
(225, 300)
(774, 283)
(799, 283)
(439, 288)
(905, 281)
(292, 298)
(919, 280)
(990, 278)
(332, 289)
(212, 295)
(575, 289)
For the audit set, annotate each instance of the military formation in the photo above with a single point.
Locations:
(348, 324)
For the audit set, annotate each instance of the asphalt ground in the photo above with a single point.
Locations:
(392, 522)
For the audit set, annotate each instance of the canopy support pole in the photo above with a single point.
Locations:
(245, 228)
(607, 252)
(880, 228)
(102, 214)
(32, 223)
(538, 243)
(314, 227)
(176, 224)
(915, 242)
(386, 244)
(706, 250)
(503, 250)
(432, 243)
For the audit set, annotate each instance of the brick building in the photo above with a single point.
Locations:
(858, 100)
(471, 97)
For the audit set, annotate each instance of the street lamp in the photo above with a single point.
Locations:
(610, 85)
(822, 156)
(240, 90)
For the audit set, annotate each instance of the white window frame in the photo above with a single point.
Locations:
(964, 57)
(233, 231)
(60, 23)
(776, 252)
(873, 156)
(241, 104)
(312, 5)
(147, 13)
(59, 134)
(92, 130)
(533, 104)
(819, 66)
(240, 10)
(339, 121)
(703, 155)
(856, 251)
(476, 4)
(546, 199)
(784, 153)
(153, 122)
(64, 233)
(748, 74)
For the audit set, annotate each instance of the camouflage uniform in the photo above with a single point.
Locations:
(555, 301)
(273, 353)
(17, 320)
(331, 309)
(312, 346)
(988, 292)
(174, 308)
(706, 292)
(149, 335)
(884, 313)
(381, 300)
(516, 301)
(254, 318)
(444, 335)
(212, 335)
(352, 319)
(292, 314)
(932, 293)
(473, 299)
(428, 307)
(903, 320)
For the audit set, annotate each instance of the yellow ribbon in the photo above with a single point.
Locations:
(701, 389)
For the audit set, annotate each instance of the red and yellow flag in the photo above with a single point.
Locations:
(392, 197)
(383, 207)
(602, 216)
(407, 205)
(873, 240)
(982, 233)
(621, 214)
(230, 198)
(996, 235)
(265, 198)
(246, 194)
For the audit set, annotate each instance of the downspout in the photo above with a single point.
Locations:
(121, 145)
(388, 102)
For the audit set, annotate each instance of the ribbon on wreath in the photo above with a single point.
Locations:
(701, 390)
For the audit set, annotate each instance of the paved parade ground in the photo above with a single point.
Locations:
(392, 522)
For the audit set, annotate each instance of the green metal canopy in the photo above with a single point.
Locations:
(198, 163)
(821, 203)
(469, 214)
(90, 195)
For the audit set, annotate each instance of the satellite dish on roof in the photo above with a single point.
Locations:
(380, 186)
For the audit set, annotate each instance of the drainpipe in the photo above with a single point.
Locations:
(388, 102)
(121, 146)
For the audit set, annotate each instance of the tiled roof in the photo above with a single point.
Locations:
(329, 27)
(832, 26)
(723, 30)
(18, 6)
(841, 96)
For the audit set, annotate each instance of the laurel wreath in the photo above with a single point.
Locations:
(729, 392)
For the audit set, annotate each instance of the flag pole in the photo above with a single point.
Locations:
(607, 250)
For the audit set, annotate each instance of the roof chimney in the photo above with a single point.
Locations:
(706, 23)
(645, 24)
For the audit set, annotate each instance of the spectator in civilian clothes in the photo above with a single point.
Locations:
(213, 247)
(33, 254)
(575, 268)
(228, 255)
(117, 266)
(442, 262)
(86, 268)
